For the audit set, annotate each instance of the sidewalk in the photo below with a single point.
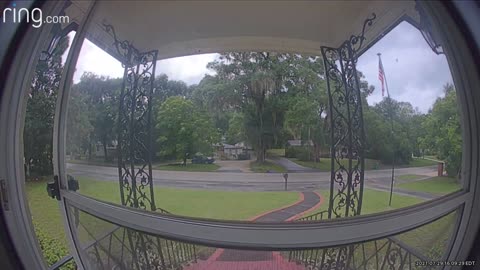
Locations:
(231, 259)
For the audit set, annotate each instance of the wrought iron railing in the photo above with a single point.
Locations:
(121, 248)
(63, 261)
(317, 216)
(386, 253)
(152, 252)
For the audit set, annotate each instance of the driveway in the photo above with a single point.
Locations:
(290, 165)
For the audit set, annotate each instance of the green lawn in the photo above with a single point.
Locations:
(325, 164)
(420, 162)
(94, 162)
(374, 201)
(431, 239)
(195, 203)
(48, 222)
(187, 168)
(45, 211)
(407, 177)
(438, 185)
(234, 205)
(266, 166)
(370, 164)
(277, 152)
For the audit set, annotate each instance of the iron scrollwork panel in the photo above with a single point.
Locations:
(388, 253)
(134, 133)
(346, 126)
(134, 124)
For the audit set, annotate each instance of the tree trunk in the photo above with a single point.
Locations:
(105, 148)
(90, 150)
(27, 167)
(260, 155)
(261, 151)
(316, 152)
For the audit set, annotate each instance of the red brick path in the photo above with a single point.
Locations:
(277, 262)
(230, 259)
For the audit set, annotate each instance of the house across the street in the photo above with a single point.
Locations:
(239, 151)
(299, 143)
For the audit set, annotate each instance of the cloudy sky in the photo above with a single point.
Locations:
(414, 73)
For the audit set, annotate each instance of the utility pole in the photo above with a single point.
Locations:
(390, 108)
(285, 176)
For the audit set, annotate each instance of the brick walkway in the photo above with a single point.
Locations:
(231, 259)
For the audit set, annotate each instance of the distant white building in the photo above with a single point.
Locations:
(299, 143)
(111, 149)
(294, 147)
(236, 151)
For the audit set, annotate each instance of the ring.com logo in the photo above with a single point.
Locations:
(33, 16)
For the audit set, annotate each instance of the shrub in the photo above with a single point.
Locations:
(52, 249)
(290, 152)
(303, 153)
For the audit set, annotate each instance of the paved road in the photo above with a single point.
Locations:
(233, 165)
(243, 181)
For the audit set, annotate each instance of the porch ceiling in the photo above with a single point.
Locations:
(194, 27)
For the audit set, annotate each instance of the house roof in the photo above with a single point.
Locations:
(229, 146)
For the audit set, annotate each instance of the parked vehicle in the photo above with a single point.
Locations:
(200, 159)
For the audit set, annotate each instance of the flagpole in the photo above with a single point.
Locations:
(391, 121)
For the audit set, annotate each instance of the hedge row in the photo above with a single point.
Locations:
(52, 249)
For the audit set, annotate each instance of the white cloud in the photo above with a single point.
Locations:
(190, 69)
(94, 59)
(414, 72)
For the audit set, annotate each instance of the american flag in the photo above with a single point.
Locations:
(381, 75)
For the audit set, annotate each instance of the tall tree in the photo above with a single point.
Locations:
(261, 83)
(39, 118)
(443, 129)
(305, 121)
(218, 99)
(79, 127)
(101, 96)
(183, 129)
(165, 88)
(387, 127)
(236, 129)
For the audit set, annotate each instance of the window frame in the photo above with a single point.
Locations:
(464, 72)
